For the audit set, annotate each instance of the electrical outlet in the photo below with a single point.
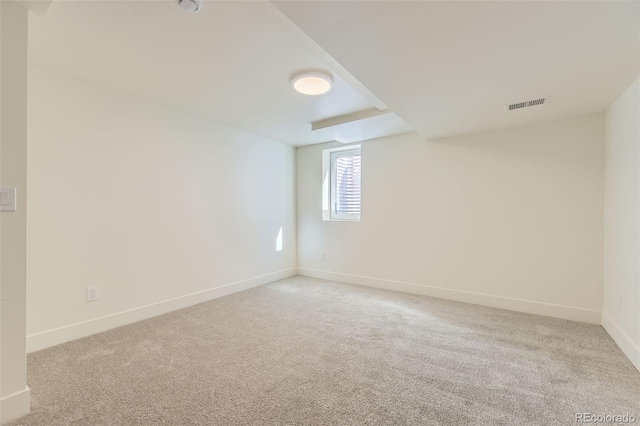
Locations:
(322, 257)
(92, 294)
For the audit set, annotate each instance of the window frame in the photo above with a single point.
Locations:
(329, 183)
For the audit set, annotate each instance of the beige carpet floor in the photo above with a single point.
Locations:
(306, 351)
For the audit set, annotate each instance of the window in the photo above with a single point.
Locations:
(341, 183)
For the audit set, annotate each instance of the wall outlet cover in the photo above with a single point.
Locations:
(92, 294)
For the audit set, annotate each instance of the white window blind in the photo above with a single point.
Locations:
(348, 184)
(346, 172)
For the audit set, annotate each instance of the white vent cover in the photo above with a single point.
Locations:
(526, 104)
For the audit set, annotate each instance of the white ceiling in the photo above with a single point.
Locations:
(450, 67)
(444, 68)
(231, 62)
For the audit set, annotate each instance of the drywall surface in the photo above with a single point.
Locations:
(621, 305)
(14, 393)
(152, 205)
(511, 218)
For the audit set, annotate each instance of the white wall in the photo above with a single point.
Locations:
(511, 218)
(146, 202)
(14, 394)
(621, 308)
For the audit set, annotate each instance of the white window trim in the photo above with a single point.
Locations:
(328, 178)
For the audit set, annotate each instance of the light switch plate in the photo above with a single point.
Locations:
(8, 199)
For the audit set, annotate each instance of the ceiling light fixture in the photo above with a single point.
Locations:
(191, 6)
(312, 83)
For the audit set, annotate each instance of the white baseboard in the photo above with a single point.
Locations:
(539, 308)
(46, 339)
(629, 348)
(15, 406)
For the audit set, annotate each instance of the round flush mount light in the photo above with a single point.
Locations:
(191, 6)
(312, 83)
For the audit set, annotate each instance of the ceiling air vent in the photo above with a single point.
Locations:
(526, 104)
